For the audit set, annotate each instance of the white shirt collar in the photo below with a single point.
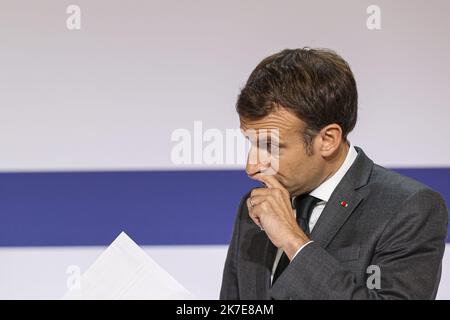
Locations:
(324, 191)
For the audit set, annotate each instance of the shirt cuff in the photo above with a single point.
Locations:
(310, 241)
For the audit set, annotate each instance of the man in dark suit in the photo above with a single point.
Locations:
(328, 223)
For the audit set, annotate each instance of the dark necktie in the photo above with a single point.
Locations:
(304, 205)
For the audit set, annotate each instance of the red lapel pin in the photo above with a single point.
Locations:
(344, 204)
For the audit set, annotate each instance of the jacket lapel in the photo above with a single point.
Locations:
(343, 201)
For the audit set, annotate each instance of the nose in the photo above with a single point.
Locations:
(251, 169)
(256, 162)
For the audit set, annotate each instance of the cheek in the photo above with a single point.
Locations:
(297, 165)
(291, 163)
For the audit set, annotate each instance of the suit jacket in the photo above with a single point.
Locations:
(391, 222)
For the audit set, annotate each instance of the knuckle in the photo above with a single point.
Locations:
(277, 192)
(254, 192)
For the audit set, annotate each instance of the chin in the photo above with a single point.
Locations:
(289, 189)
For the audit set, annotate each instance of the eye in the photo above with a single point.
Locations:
(273, 144)
(265, 145)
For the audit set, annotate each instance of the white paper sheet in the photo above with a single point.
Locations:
(125, 271)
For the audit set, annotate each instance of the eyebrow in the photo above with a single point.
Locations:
(269, 139)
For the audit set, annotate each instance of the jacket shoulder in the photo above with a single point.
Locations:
(398, 193)
(385, 180)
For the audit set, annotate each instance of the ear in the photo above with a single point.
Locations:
(331, 138)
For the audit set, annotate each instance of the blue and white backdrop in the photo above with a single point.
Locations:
(95, 95)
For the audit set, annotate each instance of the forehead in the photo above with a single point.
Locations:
(282, 120)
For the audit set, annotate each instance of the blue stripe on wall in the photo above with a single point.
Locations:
(92, 208)
(154, 207)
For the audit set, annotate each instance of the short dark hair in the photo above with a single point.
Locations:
(316, 84)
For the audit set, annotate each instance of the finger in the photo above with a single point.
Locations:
(250, 204)
(274, 205)
(256, 200)
(261, 211)
(252, 215)
(282, 196)
(260, 192)
(270, 181)
(255, 204)
(274, 184)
